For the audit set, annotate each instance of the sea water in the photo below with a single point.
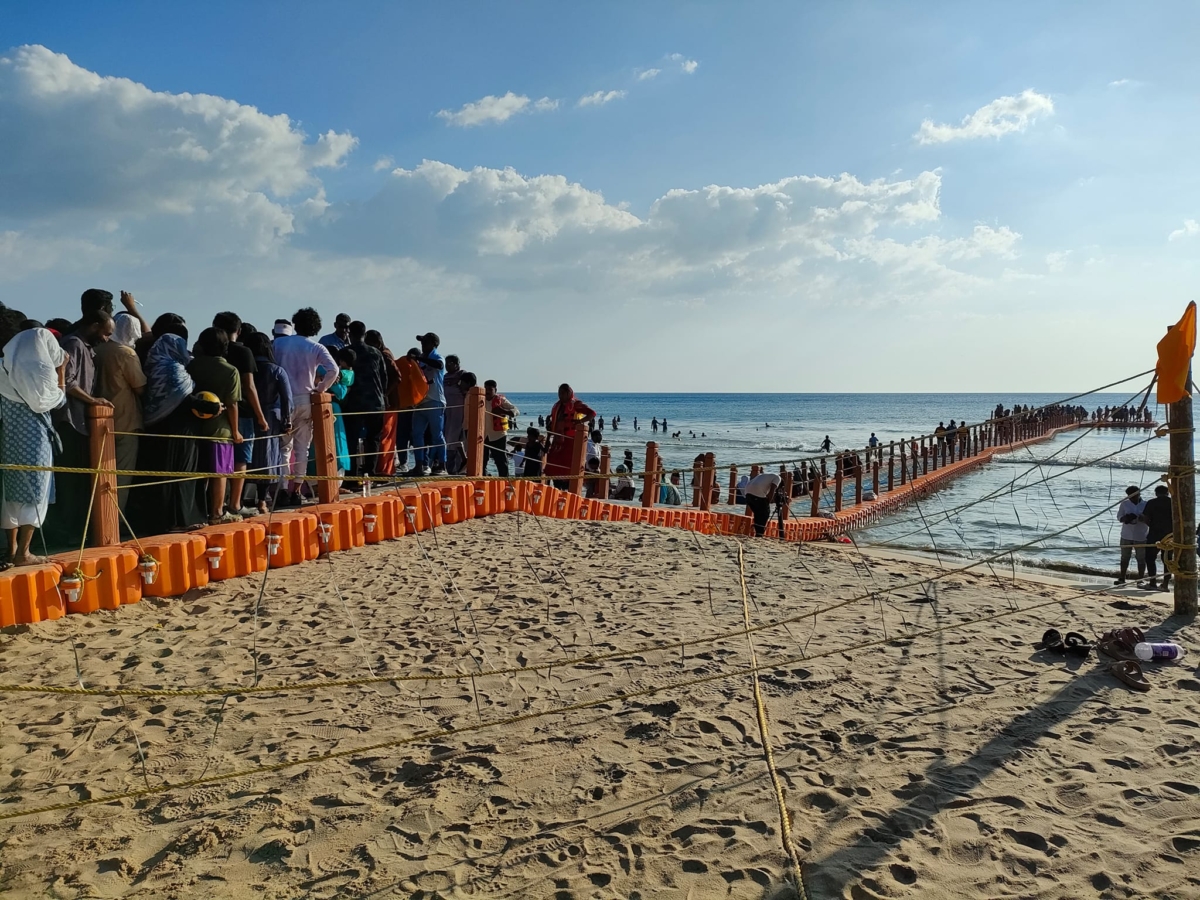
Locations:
(1048, 505)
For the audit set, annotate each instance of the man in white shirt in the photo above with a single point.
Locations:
(310, 368)
(1134, 531)
(759, 492)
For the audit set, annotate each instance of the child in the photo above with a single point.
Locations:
(535, 451)
(218, 434)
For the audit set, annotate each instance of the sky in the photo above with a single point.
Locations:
(791, 197)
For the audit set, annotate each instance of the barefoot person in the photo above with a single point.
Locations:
(31, 384)
(1159, 518)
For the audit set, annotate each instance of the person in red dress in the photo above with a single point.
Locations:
(569, 417)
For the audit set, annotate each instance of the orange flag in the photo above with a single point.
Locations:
(1175, 357)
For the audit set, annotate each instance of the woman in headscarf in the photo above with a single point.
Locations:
(120, 380)
(32, 374)
(275, 397)
(161, 504)
(339, 389)
(569, 417)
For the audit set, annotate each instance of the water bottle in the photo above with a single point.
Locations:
(1158, 652)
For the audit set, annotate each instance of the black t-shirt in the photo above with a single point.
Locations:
(534, 451)
(1158, 516)
(369, 391)
(242, 359)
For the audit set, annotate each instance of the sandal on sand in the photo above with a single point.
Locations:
(1052, 641)
(1130, 673)
(1076, 644)
(1119, 642)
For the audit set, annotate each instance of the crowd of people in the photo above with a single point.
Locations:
(1131, 415)
(231, 403)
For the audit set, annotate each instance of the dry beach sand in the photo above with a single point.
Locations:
(960, 764)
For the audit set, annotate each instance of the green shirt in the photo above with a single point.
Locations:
(213, 374)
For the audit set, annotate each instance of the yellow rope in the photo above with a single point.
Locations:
(785, 820)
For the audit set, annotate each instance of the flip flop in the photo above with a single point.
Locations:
(1052, 641)
(1076, 644)
(1111, 647)
(1130, 673)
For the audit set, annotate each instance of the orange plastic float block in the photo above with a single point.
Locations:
(514, 495)
(339, 526)
(234, 550)
(499, 495)
(455, 502)
(382, 517)
(29, 594)
(604, 511)
(539, 498)
(172, 564)
(675, 518)
(566, 505)
(481, 500)
(102, 578)
(412, 512)
(432, 504)
(292, 538)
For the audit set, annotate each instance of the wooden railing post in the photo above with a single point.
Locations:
(875, 478)
(708, 481)
(858, 481)
(473, 420)
(102, 447)
(837, 485)
(786, 486)
(697, 486)
(733, 480)
(578, 459)
(605, 469)
(324, 447)
(650, 478)
(892, 463)
(903, 466)
(816, 498)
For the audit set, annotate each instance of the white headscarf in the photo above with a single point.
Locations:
(29, 370)
(126, 329)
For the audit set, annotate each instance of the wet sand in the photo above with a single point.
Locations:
(958, 764)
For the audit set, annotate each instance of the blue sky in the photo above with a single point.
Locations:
(1042, 247)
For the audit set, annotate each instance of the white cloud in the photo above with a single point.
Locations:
(646, 74)
(599, 98)
(199, 202)
(1190, 228)
(495, 109)
(687, 65)
(1120, 82)
(92, 146)
(1057, 261)
(1003, 115)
